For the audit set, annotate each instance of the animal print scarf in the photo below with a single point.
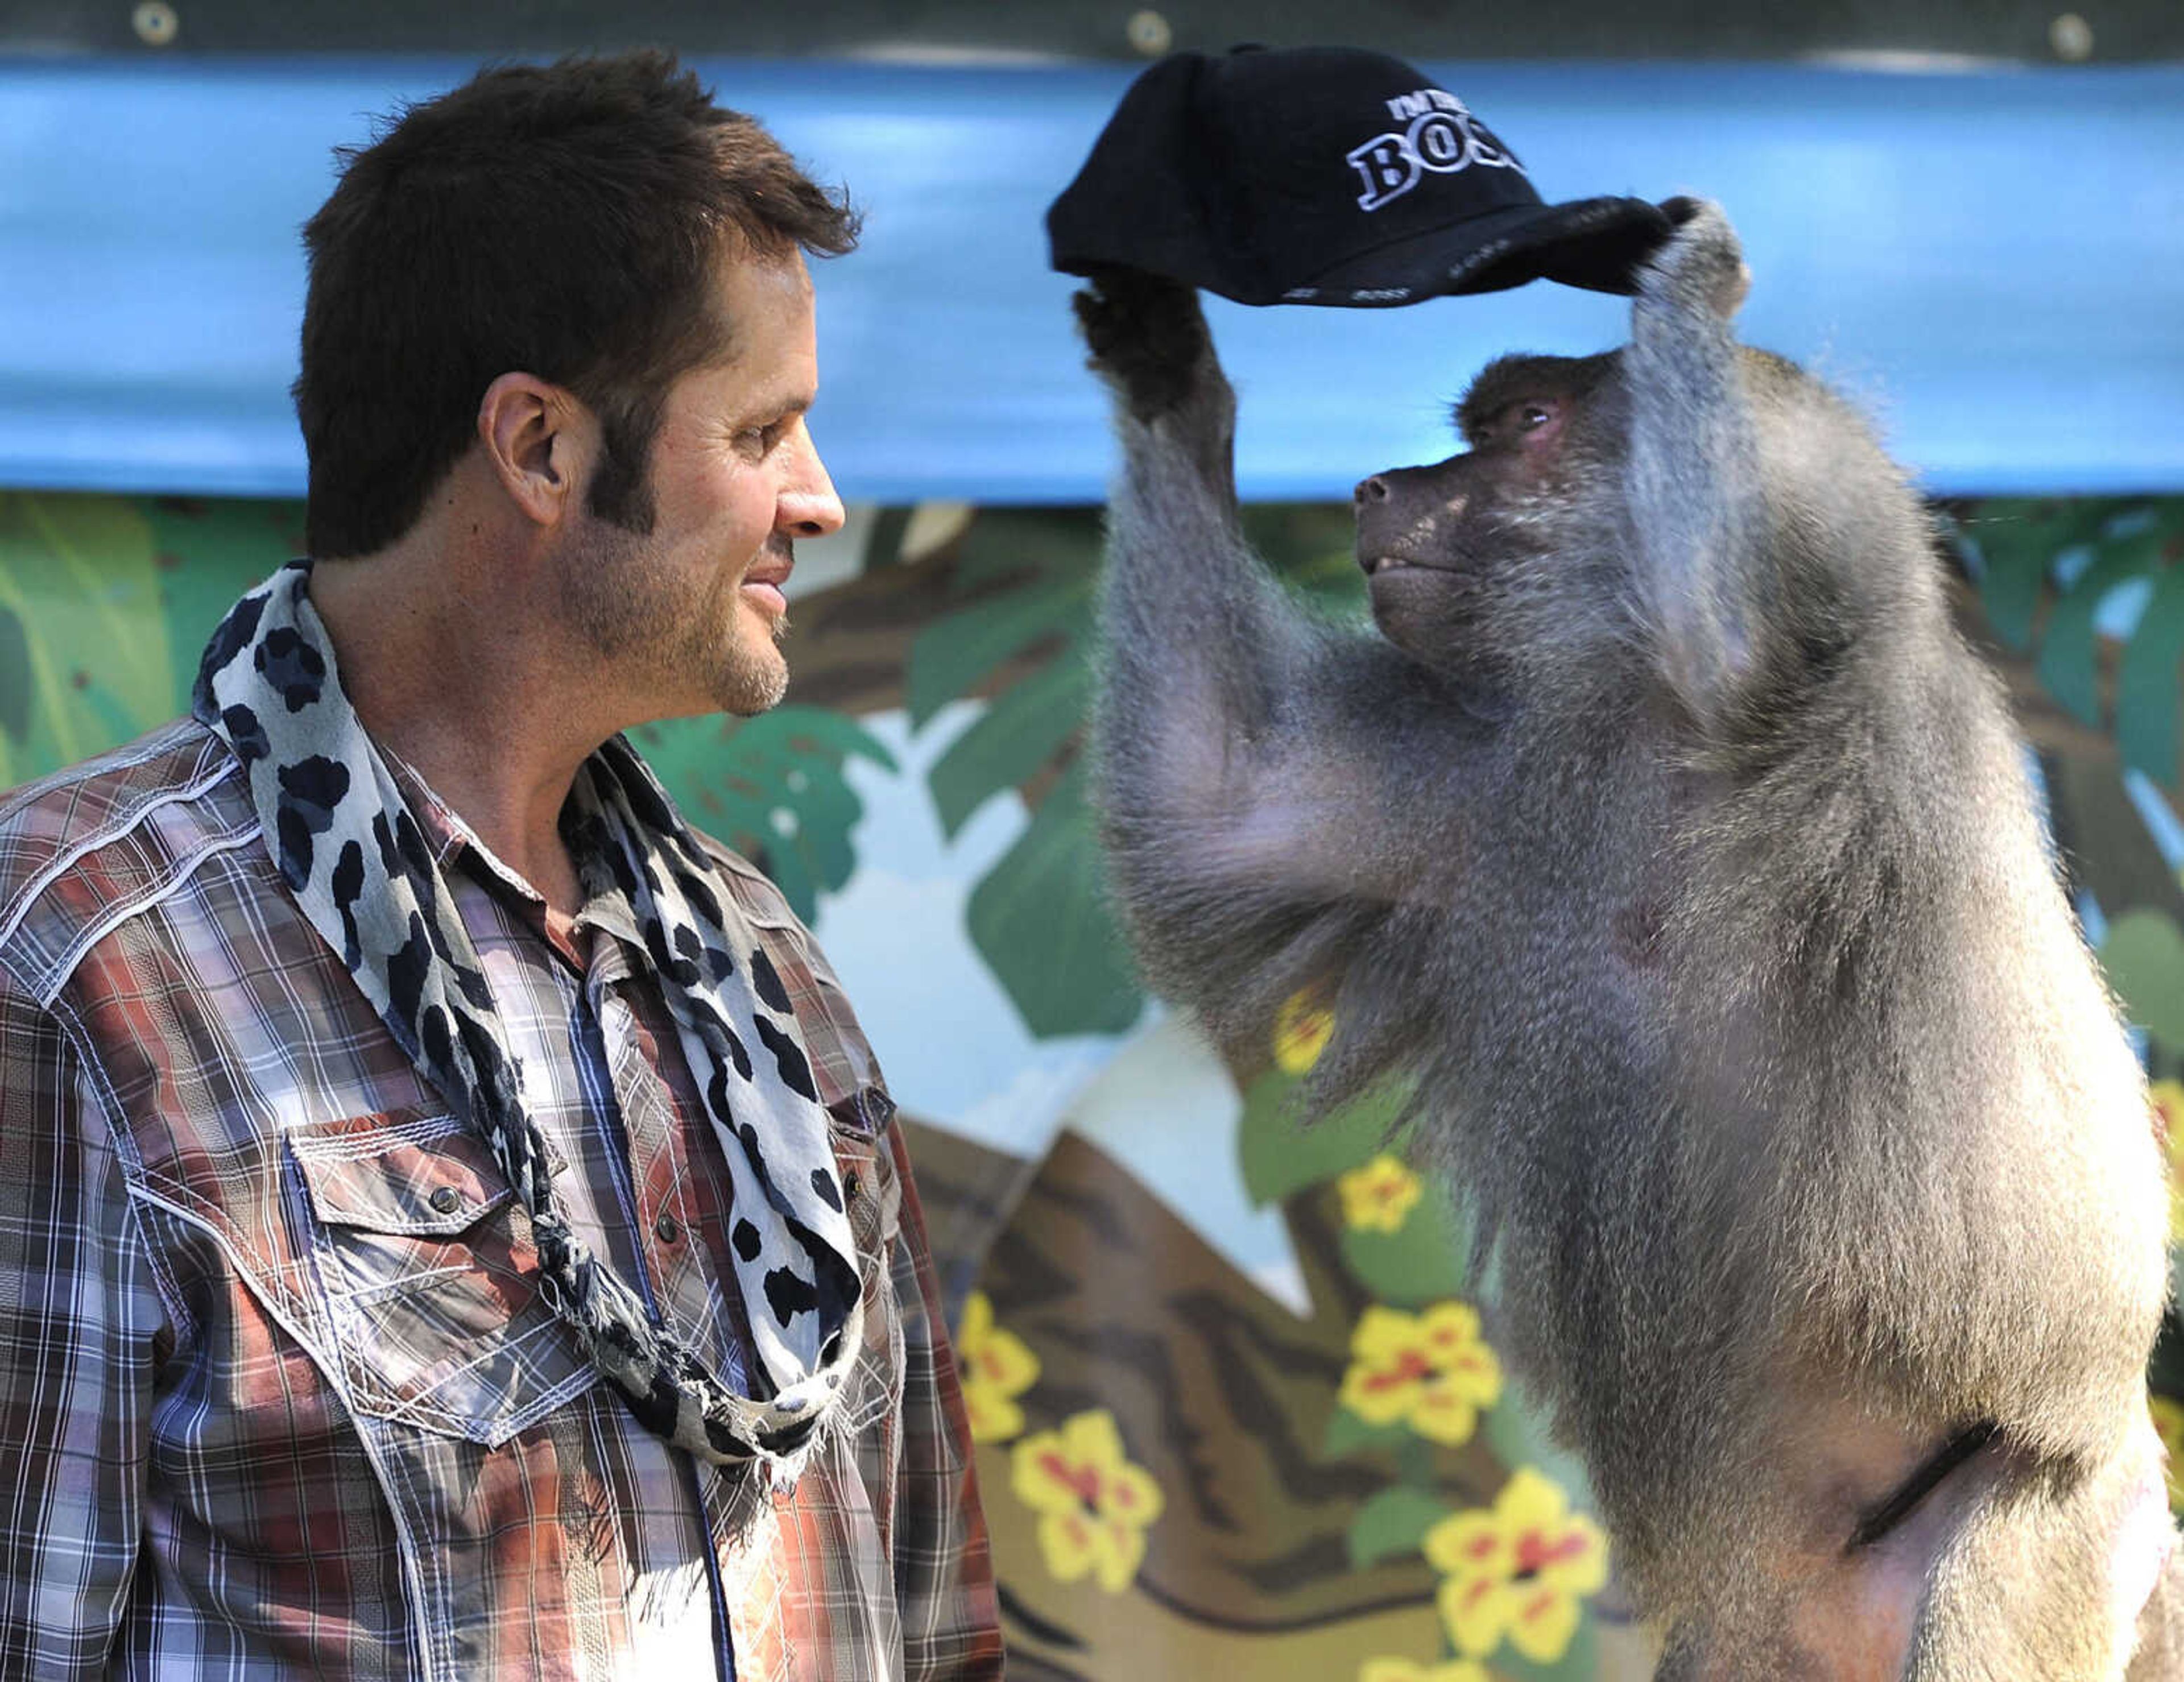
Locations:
(346, 844)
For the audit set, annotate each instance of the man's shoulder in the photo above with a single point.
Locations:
(83, 848)
(780, 931)
(759, 899)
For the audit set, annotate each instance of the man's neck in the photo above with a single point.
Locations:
(477, 696)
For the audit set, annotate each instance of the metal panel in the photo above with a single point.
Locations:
(2033, 30)
(1995, 260)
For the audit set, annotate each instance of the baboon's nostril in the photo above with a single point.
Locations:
(1374, 489)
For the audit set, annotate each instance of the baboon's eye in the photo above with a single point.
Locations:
(1530, 416)
(1903, 1501)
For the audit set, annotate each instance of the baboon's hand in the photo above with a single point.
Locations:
(1702, 267)
(1149, 340)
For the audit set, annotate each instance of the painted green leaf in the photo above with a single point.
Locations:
(954, 655)
(2150, 683)
(1052, 543)
(1346, 1433)
(1517, 1432)
(1048, 561)
(1010, 740)
(1279, 1155)
(1039, 917)
(1579, 1663)
(2068, 663)
(1421, 1262)
(211, 550)
(1039, 920)
(2010, 594)
(78, 574)
(1392, 1523)
(2142, 955)
(1312, 547)
(14, 677)
(772, 787)
(2017, 540)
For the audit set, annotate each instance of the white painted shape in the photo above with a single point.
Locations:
(954, 1051)
(1284, 1281)
(2160, 818)
(934, 525)
(957, 1055)
(821, 563)
(1166, 1109)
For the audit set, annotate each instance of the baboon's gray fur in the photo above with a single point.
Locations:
(1668, 837)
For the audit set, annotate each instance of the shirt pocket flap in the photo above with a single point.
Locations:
(421, 1176)
(865, 1165)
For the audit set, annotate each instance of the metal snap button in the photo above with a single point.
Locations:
(851, 1186)
(446, 1201)
(666, 1228)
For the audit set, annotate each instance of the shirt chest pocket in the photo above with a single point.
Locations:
(430, 1279)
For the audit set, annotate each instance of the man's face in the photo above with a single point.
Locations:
(687, 616)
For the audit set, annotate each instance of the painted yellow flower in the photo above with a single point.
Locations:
(2168, 1113)
(1430, 1371)
(1404, 1670)
(2169, 1424)
(1093, 1504)
(996, 1368)
(1377, 1196)
(1303, 1027)
(1518, 1568)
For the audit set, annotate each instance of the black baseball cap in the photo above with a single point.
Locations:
(1327, 175)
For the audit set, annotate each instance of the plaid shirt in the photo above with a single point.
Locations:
(277, 1394)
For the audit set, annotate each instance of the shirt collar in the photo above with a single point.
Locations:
(446, 835)
(452, 840)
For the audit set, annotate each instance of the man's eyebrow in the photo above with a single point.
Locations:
(761, 407)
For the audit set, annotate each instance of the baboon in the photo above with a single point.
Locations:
(1665, 838)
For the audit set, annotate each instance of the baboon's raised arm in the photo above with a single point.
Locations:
(1252, 804)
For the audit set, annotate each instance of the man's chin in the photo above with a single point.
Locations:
(753, 682)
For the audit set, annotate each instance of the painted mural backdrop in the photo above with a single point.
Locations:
(1237, 1408)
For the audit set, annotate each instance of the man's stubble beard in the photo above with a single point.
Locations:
(664, 633)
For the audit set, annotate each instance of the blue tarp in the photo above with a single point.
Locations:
(1991, 261)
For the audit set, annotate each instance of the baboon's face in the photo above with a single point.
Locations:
(1461, 554)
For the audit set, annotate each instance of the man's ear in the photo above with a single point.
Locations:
(540, 442)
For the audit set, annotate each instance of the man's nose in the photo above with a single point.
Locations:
(809, 507)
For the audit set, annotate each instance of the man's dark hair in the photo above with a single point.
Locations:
(563, 221)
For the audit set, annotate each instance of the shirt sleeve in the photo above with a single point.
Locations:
(78, 1315)
(943, 1569)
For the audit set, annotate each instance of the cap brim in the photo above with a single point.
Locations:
(1596, 243)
